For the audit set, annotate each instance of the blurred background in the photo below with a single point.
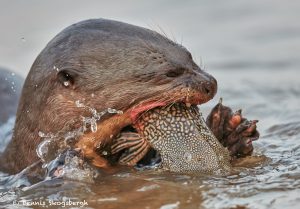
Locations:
(232, 34)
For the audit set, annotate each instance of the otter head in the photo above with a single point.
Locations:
(104, 64)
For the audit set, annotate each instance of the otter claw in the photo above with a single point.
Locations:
(220, 100)
(232, 130)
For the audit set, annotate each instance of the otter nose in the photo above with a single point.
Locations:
(210, 87)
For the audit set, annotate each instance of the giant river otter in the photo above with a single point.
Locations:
(109, 64)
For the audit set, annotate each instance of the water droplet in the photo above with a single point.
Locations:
(93, 125)
(104, 152)
(110, 110)
(85, 123)
(55, 68)
(46, 135)
(96, 116)
(42, 149)
(79, 104)
(70, 136)
(41, 134)
(93, 111)
(23, 39)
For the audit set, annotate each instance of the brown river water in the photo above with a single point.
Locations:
(251, 47)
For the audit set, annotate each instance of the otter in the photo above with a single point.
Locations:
(104, 64)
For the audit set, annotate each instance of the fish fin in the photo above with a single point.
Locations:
(134, 146)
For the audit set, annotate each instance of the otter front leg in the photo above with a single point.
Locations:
(232, 130)
(134, 147)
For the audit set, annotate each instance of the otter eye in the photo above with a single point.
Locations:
(175, 72)
(65, 78)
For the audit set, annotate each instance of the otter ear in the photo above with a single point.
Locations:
(66, 78)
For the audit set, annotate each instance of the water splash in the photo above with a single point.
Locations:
(70, 165)
(96, 116)
(55, 146)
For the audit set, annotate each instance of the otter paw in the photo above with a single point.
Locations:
(232, 130)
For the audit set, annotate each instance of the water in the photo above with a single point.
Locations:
(274, 182)
(271, 181)
(253, 50)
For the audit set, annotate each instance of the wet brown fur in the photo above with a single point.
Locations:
(107, 64)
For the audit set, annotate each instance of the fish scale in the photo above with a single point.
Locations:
(185, 143)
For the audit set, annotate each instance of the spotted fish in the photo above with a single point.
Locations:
(182, 138)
